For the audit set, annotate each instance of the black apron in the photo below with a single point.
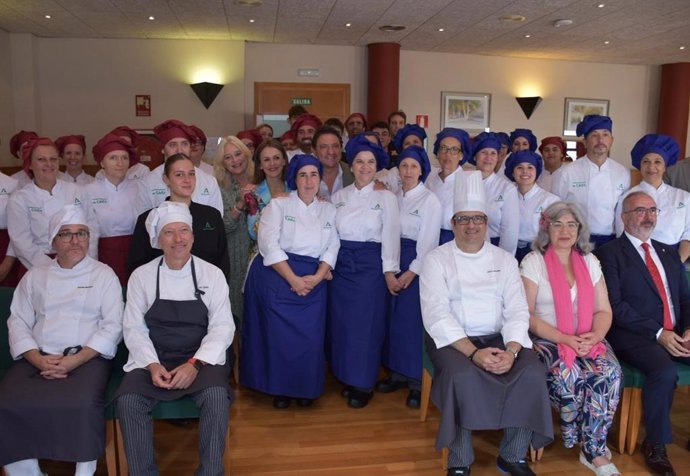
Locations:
(176, 329)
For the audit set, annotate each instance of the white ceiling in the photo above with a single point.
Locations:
(638, 31)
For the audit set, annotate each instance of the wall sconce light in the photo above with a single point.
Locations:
(528, 104)
(206, 92)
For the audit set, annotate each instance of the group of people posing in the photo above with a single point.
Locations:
(343, 255)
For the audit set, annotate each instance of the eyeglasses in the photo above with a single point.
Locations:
(639, 211)
(66, 236)
(451, 150)
(465, 220)
(559, 225)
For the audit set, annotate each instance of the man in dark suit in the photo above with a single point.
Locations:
(651, 317)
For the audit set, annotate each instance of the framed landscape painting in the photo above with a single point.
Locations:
(469, 111)
(576, 109)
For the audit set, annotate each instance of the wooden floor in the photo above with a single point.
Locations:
(385, 438)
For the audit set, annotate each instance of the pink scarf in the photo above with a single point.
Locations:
(564, 306)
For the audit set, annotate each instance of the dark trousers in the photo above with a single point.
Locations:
(661, 376)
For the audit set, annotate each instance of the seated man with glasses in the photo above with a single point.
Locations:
(476, 316)
(649, 296)
(65, 325)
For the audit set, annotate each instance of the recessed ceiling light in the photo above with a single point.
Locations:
(607, 42)
(251, 20)
(151, 18)
(682, 48)
(528, 36)
(348, 24)
(48, 17)
(601, 5)
(391, 28)
(441, 29)
(512, 18)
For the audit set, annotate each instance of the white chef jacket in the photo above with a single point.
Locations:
(420, 220)
(503, 211)
(8, 185)
(114, 208)
(545, 179)
(473, 294)
(595, 189)
(206, 167)
(55, 308)
(177, 285)
(22, 177)
(673, 223)
(370, 215)
(337, 185)
(135, 172)
(289, 226)
(82, 179)
(155, 191)
(532, 204)
(444, 190)
(28, 215)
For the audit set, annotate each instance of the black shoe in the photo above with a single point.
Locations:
(345, 393)
(359, 399)
(414, 399)
(281, 402)
(519, 468)
(389, 385)
(463, 471)
(657, 460)
(304, 402)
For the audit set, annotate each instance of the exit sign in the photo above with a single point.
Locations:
(301, 101)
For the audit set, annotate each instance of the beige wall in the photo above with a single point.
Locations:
(61, 86)
(88, 86)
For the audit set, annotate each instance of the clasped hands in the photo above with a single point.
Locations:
(494, 360)
(303, 285)
(582, 344)
(676, 345)
(180, 377)
(53, 366)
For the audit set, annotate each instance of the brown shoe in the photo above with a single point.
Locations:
(657, 460)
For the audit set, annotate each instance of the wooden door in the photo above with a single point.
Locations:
(324, 100)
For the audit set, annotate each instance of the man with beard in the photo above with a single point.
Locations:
(649, 296)
(304, 128)
(595, 182)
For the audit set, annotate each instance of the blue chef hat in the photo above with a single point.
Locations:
(665, 146)
(413, 129)
(485, 140)
(527, 134)
(360, 143)
(592, 122)
(517, 158)
(296, 164)
(504, 138)
(419, 154)
(462, 137)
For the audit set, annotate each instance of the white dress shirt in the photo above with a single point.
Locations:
(370, 215)
(289, 226)
(337, 185)
(595, 189)
(155, 191)
(444, 190)
(532, 204)
(114, 208)
(177, 285)
(8, 186)
(28, 215)
(55, 308)
(420, 220)
(82, 179)
(673, 223)
(504, 211)
(473, 294)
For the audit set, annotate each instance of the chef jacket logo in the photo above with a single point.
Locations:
(620, 187)
(99, 201)
(339, 204)
(377, 207)
(415, 213)
(205, 192)
(290, 218)
(500, 198)
(579, 184)
(328, 226)
(159, 191)
(3, 191)
(77, 201)
(539, 209)
(208, 227)
(680, 205)
(36, 209)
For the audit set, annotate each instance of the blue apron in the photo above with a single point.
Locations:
(357, 301)
(445, 236)
(402, 350)
(283, 333)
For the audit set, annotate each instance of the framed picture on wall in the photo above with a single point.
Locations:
(576, 109)
(469, 111)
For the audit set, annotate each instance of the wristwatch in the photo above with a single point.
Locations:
(196, 363)
(515, 353)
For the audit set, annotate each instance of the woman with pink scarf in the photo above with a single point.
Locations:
(570, 315)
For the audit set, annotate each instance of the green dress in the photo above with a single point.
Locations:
(240, 245)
